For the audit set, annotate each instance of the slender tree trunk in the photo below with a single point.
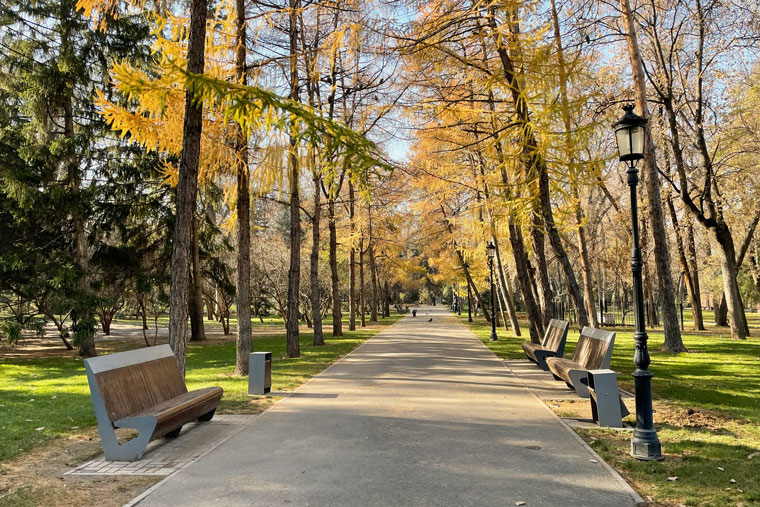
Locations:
(543, 288)
(386, 299)
(294, 273)
(351, 263)
(243, 238)
(197, 331)
(362, 291)
(187, 188)
(373, 280)
(506, 293)
(337, 316)
(693, 297)
(673, 341)
(316, 311)
(693, 266)
(521, 260)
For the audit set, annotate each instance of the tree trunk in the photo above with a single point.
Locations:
(693, 297)
(673, 341)
(337, 322)
(693, 267)
(294, 273)
(351, 263)
(187, 188)
(506, 293)
(362, 291)
(729, 269)
(541, 273)
(243, 294)
(521, 260)
(197, 331)
(373, 280)
(316, 313)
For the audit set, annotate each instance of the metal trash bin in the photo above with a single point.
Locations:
(259, 373)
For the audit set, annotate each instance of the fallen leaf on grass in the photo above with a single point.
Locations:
(732, 481)
(40, 428)
(720, 468)
(752, 455)
(673, 478)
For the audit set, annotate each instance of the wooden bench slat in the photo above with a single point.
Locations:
(129, 389)
(173, 406)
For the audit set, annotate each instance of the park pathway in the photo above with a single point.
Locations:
(421, 414)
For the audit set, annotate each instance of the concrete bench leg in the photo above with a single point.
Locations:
(132, 449)
(541, 356)
(580, 387)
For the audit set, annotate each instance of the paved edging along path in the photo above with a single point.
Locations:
(421, 414)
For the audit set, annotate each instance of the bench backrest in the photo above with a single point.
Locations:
(127, 382)
(556, 335)
(594, 348)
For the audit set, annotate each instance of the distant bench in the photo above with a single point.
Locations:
(593, 352)
(552, 346)
(144, 390)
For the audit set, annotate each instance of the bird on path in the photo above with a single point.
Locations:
(430, 319)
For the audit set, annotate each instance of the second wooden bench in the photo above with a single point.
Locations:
(593, 352)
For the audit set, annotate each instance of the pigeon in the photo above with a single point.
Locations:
(430, 319)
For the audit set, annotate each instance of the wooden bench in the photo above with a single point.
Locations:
(593, 352)
(552, 346)
(143, 390)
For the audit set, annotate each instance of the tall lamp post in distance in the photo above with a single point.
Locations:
(630, 135)
(491, 255)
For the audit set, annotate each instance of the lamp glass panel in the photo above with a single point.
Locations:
(623, 141)
(637, 140)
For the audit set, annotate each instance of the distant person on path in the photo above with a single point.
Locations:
(414, 313)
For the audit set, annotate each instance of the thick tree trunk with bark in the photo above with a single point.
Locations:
(197, 331)
(187, 188)
(316, 312)
(243, 229)
(673, 341)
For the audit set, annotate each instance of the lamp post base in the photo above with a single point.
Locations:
(494, 337)
(645, 445)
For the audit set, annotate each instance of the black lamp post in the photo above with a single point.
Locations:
(630, 136)
(491, 255)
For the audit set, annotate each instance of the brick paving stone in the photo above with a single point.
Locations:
(164, 457)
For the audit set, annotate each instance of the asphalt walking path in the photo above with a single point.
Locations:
(421, 414)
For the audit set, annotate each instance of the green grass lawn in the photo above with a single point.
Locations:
(707, 404)
(47, 398)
